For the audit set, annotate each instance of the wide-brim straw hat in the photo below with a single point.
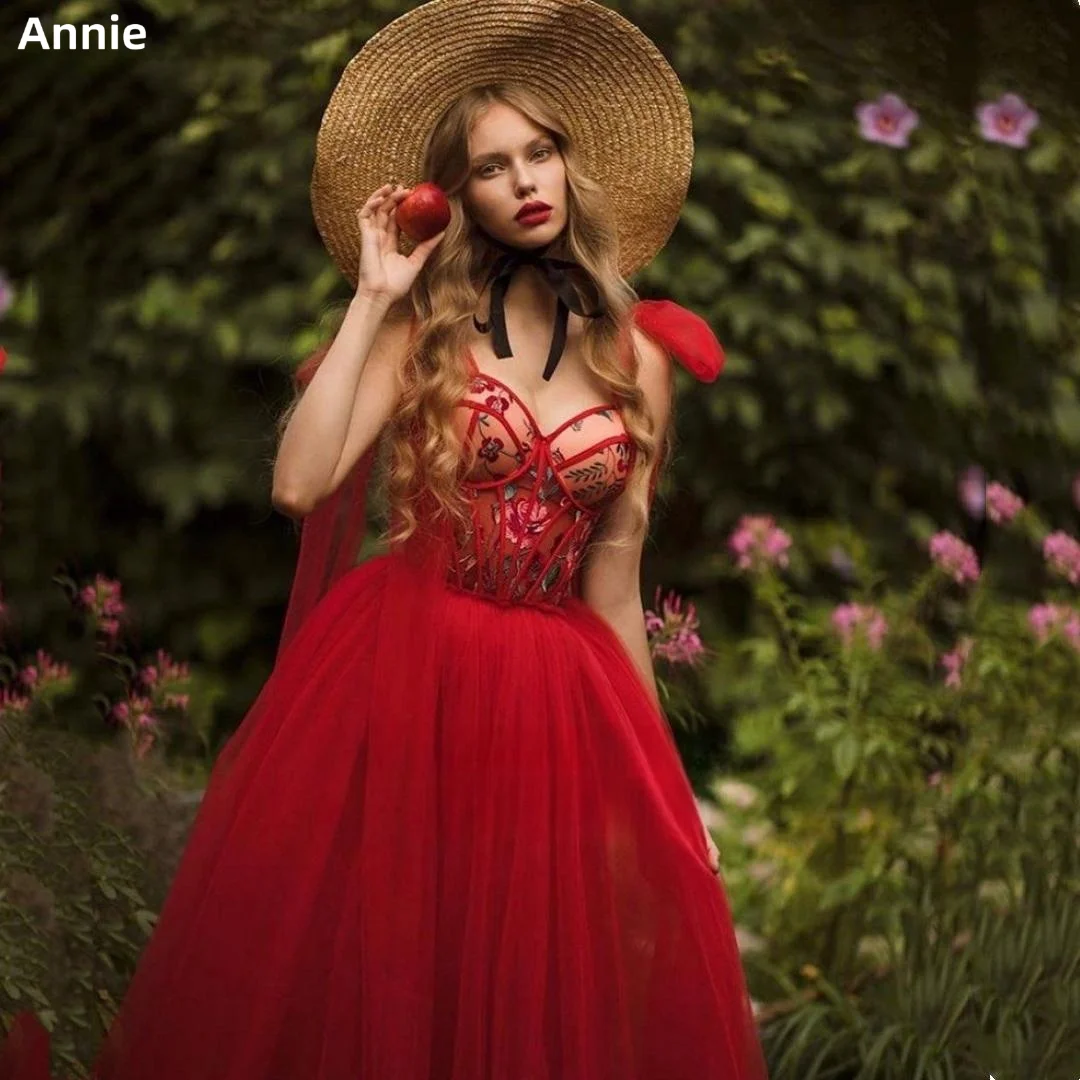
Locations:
(623, 105)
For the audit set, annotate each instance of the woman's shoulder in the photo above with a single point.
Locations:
(683, 334)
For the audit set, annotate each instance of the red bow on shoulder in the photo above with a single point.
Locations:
(686, 336)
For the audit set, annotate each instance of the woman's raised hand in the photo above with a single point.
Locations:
(385, 273)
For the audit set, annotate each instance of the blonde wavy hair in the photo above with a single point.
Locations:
(422, 463)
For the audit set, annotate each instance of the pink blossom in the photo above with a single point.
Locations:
(44, 672)
(1046, 620)
(168, 669)
(673, 632)
(757, 542)
(103, 601)
(850, 619)
(11, 701)
(134, 713)
(955, 557)
(7, 294)
(889, 120)
(1009, 120)
(1062, 554)
(954, 661)
(1002, 505)
(971, 490)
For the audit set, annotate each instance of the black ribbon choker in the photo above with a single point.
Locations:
(556, 273)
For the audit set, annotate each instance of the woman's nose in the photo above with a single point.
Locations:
(524, 184)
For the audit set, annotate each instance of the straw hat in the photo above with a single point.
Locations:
(623, 105)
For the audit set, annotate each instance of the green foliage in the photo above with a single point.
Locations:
(903, 845)
(89, 840)
(980, 987)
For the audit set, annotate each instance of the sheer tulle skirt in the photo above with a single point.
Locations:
(456, 846)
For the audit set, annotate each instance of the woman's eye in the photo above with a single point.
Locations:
(545, 150)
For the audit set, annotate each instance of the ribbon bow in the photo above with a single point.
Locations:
(555, 273)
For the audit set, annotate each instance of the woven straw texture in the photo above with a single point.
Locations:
(623, 105)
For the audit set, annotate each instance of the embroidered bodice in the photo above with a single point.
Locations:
(535, 497)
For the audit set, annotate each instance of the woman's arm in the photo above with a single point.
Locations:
(349, 394)
(611, 585)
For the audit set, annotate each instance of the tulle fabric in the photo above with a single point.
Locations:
(452, 839)
(465, 850)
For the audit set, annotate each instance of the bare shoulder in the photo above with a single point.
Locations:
(654, 375)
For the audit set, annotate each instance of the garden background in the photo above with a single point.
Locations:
(866, 621)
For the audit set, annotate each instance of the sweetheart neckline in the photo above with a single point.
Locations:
(477, 373)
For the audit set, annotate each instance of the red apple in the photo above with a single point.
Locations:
(424, 212)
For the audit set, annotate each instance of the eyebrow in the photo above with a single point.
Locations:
(497, 156)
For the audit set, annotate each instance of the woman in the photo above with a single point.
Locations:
(452, 840)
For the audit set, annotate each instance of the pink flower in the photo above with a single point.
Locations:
(13, 702)
(1009, 120)
(135, 714)
(954, 661)
(1046, 620)
(757, 542)
(673, 633)
(103, 601)
(7, 294)
(169, 670)
(848, 620)
(1062, 554)
(889, 120)
(955, 557)
(44, 672)
(971, 490)
(1002, 505)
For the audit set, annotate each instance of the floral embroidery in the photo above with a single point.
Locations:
(525, 518)
(490, 448)
(534, 500)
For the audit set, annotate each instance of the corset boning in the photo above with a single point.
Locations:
(534, 498)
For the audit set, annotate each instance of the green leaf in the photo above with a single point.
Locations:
(925, 157)
(957, 381)
(846, 755)
(884, 218)
(1047, 156)
(834, 317)
(756, 238)
(859, 351)
(700, 220)
(1070, 204)
(1041, 315)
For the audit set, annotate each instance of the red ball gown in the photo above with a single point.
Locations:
(452, 839)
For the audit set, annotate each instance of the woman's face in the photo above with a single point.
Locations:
(512, 163)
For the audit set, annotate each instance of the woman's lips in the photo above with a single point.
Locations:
(537, 217)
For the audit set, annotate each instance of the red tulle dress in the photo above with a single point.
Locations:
(452, 839)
